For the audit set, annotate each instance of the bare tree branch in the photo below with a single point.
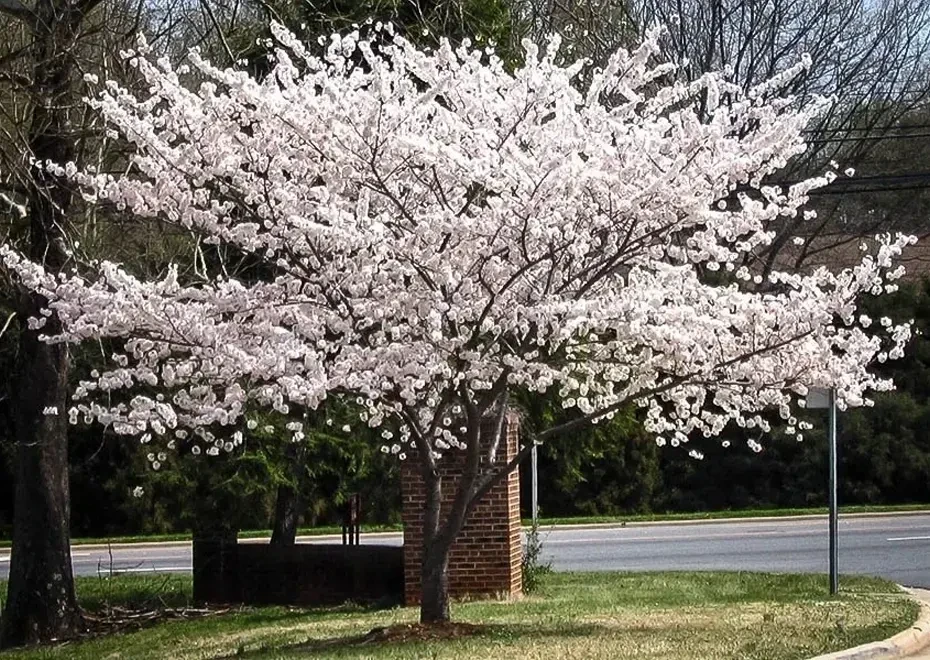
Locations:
(16, 9)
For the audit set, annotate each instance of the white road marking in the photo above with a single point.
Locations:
(128, 556)
(909, 538)
(4, 559)
(154, 569)
(670, 537)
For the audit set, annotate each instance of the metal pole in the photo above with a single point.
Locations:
(535, 482)
(834, 576)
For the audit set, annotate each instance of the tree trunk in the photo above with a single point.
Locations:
(434, 590)
(41, 605)
(288, 505)
(434, 575)
(444, 518)
(289, 502)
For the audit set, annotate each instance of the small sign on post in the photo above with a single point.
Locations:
(821, 398)
(817, 397)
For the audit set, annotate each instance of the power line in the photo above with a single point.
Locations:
(864, 138)
(854, 185)
(903, 178)
(865, 129)
(828, 191)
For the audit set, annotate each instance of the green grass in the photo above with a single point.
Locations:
(680, 616)
(142, 590)
(576, 520)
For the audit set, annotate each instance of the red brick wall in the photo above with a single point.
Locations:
(485, 559)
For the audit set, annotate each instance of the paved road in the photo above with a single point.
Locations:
(896, 547)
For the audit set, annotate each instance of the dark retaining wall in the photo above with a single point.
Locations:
(302, 574)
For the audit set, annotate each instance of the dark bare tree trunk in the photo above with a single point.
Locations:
(288, 505)
(434, 595)
(41, 605)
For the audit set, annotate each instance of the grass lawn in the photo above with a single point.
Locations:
(675, 616)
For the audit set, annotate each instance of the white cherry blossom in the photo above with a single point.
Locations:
(440, 229)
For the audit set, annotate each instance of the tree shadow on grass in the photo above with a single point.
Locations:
(121, 619)
(413, 635)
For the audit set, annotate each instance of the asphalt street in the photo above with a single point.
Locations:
(896, 547)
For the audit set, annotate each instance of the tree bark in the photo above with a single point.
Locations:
(41, 604)
(288, 505)
(434, 575)
(434, 590)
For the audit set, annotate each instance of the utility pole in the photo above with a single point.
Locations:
(535, 484)
(834, 518)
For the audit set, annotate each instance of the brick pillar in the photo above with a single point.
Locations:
(485, 559)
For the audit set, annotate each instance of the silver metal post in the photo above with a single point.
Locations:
(834, 526)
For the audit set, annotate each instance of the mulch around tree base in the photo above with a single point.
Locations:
(422, 632)
(400, 633)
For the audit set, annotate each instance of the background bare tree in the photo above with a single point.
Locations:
(41, 121)
(871, 57)
(588, 28)
(48, 48)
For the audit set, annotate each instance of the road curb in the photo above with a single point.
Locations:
(905, 643)
(723, 521)
(79, 547)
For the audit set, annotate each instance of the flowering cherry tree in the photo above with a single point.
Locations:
(440, 232)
